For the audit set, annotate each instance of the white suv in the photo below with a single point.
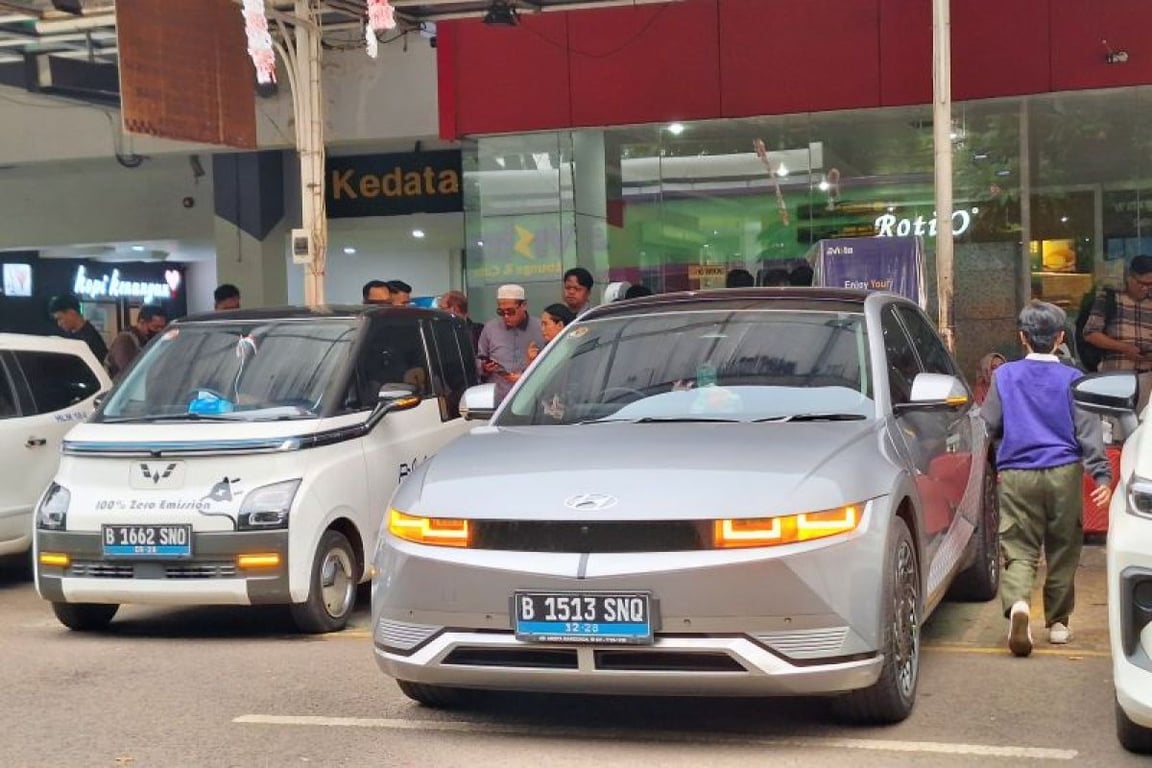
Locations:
(47, 384)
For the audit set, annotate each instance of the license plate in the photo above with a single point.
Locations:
(583, 617)
(147, 540)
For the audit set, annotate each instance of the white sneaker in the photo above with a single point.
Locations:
(1059, 634)
(1019, 629)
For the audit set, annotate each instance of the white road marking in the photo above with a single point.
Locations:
(488, 729)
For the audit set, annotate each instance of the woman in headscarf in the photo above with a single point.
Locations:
(989, 363)
(552, 321)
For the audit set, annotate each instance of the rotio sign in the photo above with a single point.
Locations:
(391, 185)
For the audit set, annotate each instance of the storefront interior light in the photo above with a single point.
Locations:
(676, 129)
(349, 250)
(138, 248)
(418, 233)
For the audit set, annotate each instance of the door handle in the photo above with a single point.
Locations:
(35, 442)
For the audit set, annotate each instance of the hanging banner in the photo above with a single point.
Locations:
(892, 264)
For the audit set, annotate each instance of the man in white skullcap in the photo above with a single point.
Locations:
(503, 346)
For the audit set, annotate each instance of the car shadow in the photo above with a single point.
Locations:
(15, 571)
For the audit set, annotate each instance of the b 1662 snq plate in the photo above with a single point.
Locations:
(583, 617)
(146, 541)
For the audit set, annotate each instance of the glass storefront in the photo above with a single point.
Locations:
(1050, 198)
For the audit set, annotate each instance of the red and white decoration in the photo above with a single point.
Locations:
(381, 16)
(259, 41)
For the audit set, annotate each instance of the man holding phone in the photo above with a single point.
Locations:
(1125, 334)
(503, 346)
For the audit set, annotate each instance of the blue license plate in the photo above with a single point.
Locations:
(583, 617)
(147, 541)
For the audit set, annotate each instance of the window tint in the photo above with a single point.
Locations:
(392, 353)
(933, 354)
(57, 380)
(452, 365)
(7, 395)
(902, 363)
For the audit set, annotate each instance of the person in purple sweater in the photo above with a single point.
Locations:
(1043, 441)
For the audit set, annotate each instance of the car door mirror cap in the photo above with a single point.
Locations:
(934, 391)
(1112, 393)
(479, 402)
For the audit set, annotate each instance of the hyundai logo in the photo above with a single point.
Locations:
(590, 502)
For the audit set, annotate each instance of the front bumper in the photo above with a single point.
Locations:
(1130, 609)
(210, 577)
(803, 619)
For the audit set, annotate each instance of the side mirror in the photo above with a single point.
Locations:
(1108, 394)
(933, 391)
(99, 399)
(479, 402)
(396, 397)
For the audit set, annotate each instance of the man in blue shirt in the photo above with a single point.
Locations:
(1043, 441)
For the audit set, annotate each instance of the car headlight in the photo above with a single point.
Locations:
(1140, 497)
(437, 531)
(52, 515)
(788, 529)
(267, 507)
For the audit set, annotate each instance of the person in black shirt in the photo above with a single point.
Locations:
(66, 312)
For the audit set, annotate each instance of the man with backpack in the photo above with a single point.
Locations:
(1119, 325)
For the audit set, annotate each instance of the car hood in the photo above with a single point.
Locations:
(652, 471)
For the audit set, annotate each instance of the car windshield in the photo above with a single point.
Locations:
(744, 365)
(241, 370)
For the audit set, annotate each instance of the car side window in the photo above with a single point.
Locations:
(8, 409)
(902, 363)
(453, 371)
(392, 353)
(933, 354)
(57, 380)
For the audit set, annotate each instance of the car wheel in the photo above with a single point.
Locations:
(332, 591)
(1133, 737)
(980, 581)
(85, 617)
(437, 696)
(890, 698)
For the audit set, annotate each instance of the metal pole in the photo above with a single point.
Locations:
(308, 109)
(1024, 289)
(942, 145)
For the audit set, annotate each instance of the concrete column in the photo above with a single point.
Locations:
(251, 230)
(596, 186)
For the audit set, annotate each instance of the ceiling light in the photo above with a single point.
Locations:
(500, 14)
(349, 250)
(824, 185)
(781, 170)
(417, 233)
(480, 243)
(676, 129)
(138, 248)
(1063, 219)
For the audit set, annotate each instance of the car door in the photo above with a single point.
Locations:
(399, 349)
(58, 391)
(945, 434)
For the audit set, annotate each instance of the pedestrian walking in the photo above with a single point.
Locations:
(1043, 441)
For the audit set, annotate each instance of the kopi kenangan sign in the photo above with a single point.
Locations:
(394, 184)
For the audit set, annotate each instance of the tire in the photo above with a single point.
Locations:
(891, 697)
(332, 587)
(85, 617)
(437, 696)
(1132, 737)
(980, 581)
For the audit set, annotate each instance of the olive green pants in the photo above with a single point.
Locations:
(1041, 508)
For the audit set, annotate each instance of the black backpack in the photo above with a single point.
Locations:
(1090, 355)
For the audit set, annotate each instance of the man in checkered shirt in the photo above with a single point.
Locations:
(1126, 339)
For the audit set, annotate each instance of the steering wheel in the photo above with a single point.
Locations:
(620, 392)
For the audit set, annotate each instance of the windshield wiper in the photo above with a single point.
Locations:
(170, 417)
(813, 417)
(661, 420)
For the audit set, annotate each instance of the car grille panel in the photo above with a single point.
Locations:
(592, 536)
(99, 569)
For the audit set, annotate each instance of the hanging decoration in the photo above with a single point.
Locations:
(259, 41)
(381, 16)
(774, 172)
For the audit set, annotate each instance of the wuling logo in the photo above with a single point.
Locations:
(157, 472)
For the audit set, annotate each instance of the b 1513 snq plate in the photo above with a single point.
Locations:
(583, 617)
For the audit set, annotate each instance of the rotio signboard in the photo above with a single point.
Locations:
(393, 185)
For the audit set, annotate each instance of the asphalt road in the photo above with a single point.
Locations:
(231, 687)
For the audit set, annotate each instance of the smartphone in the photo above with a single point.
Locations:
(499, 368)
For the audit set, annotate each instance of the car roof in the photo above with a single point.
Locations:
(321, 312)
(820, 299)
(34, 343)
